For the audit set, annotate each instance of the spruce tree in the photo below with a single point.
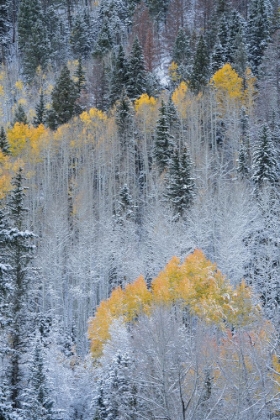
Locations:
(64, 96)
(200, 71)
(163, 141)
(182, 55)
(16, 254)
(104, 42)
(37, 397)
(41, 112)
(243, 162)
(32, 37)
(264, 161)
(180, 184)
(136, 73)
(125, 206)
(4, 145)
(5, 26)
(258, 31)
(119, 76)
(20, 115)
(124, 120)
(80, 75)
(80, 39)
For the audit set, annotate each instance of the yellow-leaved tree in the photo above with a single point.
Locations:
(195, 284)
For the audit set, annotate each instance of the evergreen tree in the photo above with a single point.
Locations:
(217, 57)
(258, 31)
(41, 112)
(200, 71)
(243, 166)
(117, 397)
(264, 160)
(20, 115)
(163, 142)
(64, 96)
(16, 254)
(80, 38)
(172, 118)
(182, 55)
(4, 145)
(125, 206)
(5, 26)
(124, 120)
(137, 76)
(180, 184)
(119, 76)
(32, 37)
(104, 42)
(37, 396)
(158, 9)
(80, 75)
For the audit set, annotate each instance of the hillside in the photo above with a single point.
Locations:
(132, 132)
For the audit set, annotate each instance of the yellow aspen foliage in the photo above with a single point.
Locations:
(2, 92)
(276, 373)
(227, 82)
(180, 99)
(24, 139)
(19, 85)
(173, 72)
(137, 299)
(196, 284)
(146, 112)
(8, 168)
(92, 116)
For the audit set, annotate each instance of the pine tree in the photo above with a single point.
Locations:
(80, 75)
(104, 42)
(33, 38)
(5, 26)
(200, 71)
(182, 55)
(158, 9)
(264, 160)
(20, 115)
(136, 73)
(37, 396)
(180, 184)
(80, 39)
(4, 145)
(217, 57)
(125, 206)
(243, 164)
(258, 31)
(117, 397)
(124, 120)
(163, 142)
(64, 96)
(41, 111)
(119, 76)
(17, 251)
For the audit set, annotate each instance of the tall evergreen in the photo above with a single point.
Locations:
(200, 71)
(104, 42)
(16, 254)
(264, 160)
(80, 38)
(258, 31)
(20, 115)
(32, 37)
(119, 76)
(41, 111)
(180, 184)
(5, 26)
(136, 73)
(37, 396)
(4, 145)
(64, 96)
(182, 55)
(124, 120)
(80, 75)
(163, 140)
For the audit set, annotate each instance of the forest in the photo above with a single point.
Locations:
(139, 209)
